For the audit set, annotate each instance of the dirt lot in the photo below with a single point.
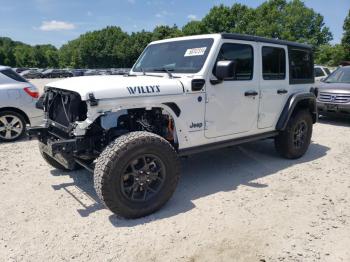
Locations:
(238, 204)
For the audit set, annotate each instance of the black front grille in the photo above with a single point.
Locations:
(64, 107)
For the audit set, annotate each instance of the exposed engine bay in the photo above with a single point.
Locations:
(63, 109)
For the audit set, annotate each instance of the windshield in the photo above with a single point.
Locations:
(341, 75)
(186, 56)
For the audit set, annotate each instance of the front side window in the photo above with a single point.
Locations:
(301, 66)
(318, 72)
(13, 75)
(274, 63)
(243, 57)
(341, 75)
(186, 56)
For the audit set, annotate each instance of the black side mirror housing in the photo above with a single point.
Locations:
(225, 69)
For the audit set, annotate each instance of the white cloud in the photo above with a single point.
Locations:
(54, 25)
(192, 17)
(162, 14)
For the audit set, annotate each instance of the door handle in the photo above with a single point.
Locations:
(251, 93)
(282, 91)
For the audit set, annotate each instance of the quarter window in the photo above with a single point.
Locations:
(274, 63)
(301, 66)
(243, 57)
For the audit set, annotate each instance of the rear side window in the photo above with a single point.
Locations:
(243, 57)
(318, 72)
(13, 75)
(274, 63)
(301, 66)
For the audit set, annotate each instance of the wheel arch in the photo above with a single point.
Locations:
(295, 102)
(171, 108)
(19, 111)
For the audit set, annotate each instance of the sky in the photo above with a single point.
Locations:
(58, 21)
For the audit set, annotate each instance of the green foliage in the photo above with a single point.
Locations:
(330, 55)
(21, 55)
(194, 28)
(346, 36)
(111, 47)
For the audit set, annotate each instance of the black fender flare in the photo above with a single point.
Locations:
(298, 100)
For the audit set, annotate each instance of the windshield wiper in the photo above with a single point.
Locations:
(144, 73)
(164, 69)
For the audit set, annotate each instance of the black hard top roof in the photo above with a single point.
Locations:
(264, 40)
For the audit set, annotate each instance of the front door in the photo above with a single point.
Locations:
(232, 105)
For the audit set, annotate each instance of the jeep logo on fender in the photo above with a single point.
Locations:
(143, 89)
(196, 125)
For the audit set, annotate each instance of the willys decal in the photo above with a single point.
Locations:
(133, 90)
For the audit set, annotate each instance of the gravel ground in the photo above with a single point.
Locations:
(242, 203)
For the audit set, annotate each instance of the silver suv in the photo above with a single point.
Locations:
(17, 105)
(334, 93)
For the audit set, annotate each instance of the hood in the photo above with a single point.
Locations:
(334, 87)
(113, 86)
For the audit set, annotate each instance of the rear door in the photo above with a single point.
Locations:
(274, 83)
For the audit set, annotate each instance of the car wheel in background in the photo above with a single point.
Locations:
(12, 126)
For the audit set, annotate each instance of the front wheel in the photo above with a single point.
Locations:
(136, 174)
(293, 142)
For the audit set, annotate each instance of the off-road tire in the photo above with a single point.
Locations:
(113, 160)
(52, 162)
(285, 141)
(21, 119)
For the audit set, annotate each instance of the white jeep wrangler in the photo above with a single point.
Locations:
(183, 96)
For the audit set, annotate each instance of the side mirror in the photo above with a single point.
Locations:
(225, 69)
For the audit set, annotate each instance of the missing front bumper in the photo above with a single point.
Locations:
(64, 151)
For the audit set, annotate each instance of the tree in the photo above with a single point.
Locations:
(291, 21)
(194, 28)
(112, 47)
(165, 31)
(346, 36)
(330, 55)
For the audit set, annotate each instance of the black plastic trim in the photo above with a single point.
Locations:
(226, 143)
(263, 40)
(198, 84)
(174, 107)
(290, 105)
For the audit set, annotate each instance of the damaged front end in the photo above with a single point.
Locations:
(76, 131)
(63, 110)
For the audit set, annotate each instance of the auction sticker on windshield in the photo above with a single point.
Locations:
(195, 51)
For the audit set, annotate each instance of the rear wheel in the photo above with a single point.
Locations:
(137, 174)
(293, 142)
(12, 126)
